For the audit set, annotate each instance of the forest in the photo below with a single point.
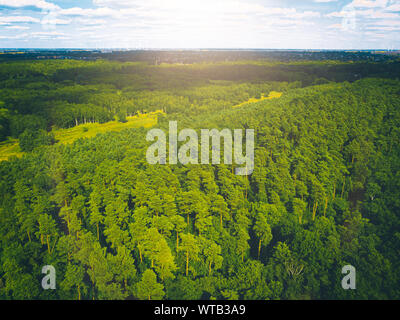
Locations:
(325, 191)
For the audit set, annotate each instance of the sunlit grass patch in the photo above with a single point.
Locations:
(11, 147)
(272, 95)
(90, 130)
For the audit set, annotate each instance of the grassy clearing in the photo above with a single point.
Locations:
(90, 130)
(11, 147)
(272, 95)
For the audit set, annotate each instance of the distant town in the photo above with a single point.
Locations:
(190, 56)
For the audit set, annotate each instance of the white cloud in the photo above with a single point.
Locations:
(190, 8)
(18, 19)
(369, 3)
(180, 22)
(48, 33)
(16, 37)
(41, 4)
(368, 18)
(335, 26)
(393, 7)
(90, 22)
(55, 21)
(17, 27)
(205, 23)
(98, 12)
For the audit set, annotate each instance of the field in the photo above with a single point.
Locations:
(90, 130)
(11, 148)
(272, 95)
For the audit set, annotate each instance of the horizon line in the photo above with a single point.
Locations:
(194, 49)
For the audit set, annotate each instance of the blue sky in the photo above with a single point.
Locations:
(284, 24)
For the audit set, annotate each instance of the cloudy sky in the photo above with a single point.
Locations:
(305, 24)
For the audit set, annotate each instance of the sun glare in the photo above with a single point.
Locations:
(206, 24)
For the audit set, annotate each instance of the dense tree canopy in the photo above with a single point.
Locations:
(324, 192)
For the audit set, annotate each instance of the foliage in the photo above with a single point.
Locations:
(324, 192)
